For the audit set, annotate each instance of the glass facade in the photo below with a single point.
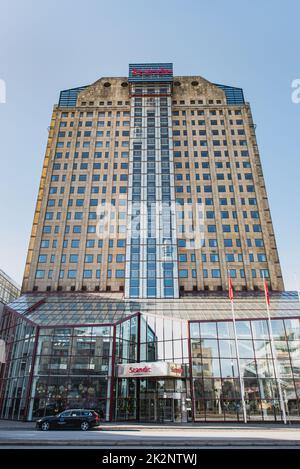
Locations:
(51, 367)
(151, 267)
(217, 394)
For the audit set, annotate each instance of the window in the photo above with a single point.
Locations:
(183, 273)
(213, 243)
(259, 243)
(264, 273)
(90, 243)
(181, 243)
(215, 273)
(229, 257)
(120, 273)
(40, 274)
(87, 274)
(89, 258)
(214, 258)
(73, 258)
(261, 258)
(72, 273)
(120, 257)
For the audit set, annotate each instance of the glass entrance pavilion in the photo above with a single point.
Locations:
(151, 360)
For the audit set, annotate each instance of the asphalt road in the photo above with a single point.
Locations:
(137, 436)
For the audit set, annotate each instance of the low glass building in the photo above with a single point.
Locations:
(151, 360)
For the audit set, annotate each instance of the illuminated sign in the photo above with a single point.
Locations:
(132, 370)
(150, 72)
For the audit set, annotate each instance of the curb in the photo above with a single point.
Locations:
(152, 443)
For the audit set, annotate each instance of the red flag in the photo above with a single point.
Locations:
(230, 290)
(267, 292)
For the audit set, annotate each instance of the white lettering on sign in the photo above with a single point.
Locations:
(150, 369)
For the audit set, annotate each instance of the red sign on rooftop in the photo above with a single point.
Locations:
(150, 72)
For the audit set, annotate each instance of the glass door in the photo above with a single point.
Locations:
(166, 409)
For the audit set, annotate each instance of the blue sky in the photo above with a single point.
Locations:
(47, 46)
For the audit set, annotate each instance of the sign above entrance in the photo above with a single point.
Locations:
(150, 72)
(150, 369)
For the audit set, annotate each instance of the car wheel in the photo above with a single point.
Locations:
(84, 426)
(45, 426)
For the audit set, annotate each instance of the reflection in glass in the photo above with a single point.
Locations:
(208, 329)
(225, 330)
(278, 329)
(229, 368)
(260, 330)
(246, 349)
(243, 329)
(227, 348)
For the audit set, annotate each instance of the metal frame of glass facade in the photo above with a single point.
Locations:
(50, 367)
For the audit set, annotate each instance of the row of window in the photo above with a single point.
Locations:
(177, 133)
(90, 243)
(204, 143)
(228, 257)
(220, 188)
(94, 202)
(98, 133)
(216, 154)
(210, 112)
(88, 258)
(72, 273)
(92, 114)
(86, 154)
(87, 144)
(216, 273)
(213, 243)
(219, 176)
(120, 273)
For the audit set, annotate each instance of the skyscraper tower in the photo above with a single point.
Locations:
(152, 185)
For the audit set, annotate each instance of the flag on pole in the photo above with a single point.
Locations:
(230, 288)
(267, 292)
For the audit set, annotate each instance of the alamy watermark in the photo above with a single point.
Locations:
(2, 91)
(164, 221)
(296, 93)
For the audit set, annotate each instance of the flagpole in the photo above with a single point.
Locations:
(237, 350)
(273, 349)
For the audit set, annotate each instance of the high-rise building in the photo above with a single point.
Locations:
(151, 200)
(152, 185)
(9, 290)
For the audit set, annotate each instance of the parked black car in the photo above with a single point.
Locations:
(83, 419)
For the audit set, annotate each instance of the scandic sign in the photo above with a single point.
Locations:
(160, 71)
(154, 72)
(131, 370)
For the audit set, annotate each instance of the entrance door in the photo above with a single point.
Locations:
(166, 409)
(148, 410)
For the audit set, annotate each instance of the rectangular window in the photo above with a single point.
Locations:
(183, 273)
(87, 274)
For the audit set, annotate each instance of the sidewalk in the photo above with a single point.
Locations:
(18, 425)
(124, 434)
